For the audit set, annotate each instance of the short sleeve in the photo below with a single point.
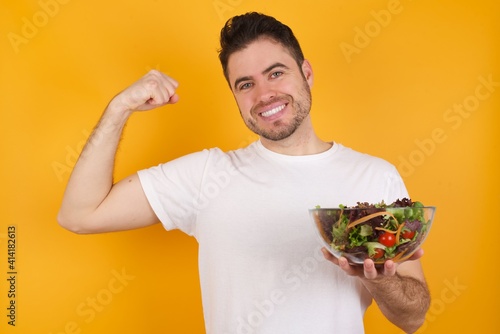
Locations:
(395, 187)
(173, 188)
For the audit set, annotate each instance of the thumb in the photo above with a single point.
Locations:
(173, 99)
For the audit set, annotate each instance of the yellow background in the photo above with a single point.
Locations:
(386, 90)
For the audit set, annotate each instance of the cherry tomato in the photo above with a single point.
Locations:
(387, 239)
(379, 252)
(407, 234)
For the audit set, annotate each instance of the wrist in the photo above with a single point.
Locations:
(117, 112)
(118, 107)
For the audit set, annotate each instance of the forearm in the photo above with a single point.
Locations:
(403, 300)
(92, 176)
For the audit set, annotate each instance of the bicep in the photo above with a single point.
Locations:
(126, 207)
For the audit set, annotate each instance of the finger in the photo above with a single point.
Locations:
(171, 95)
(173, 99)
(171, 81)
(417, 255)
(166, 93)
(162, 96)
(143, 92)
(389, 268)
(342, 263)
(160, 77)
(160, 87)
(369, 269)
(327, 255)
(347, 268)
(167, 84)
(170, 86)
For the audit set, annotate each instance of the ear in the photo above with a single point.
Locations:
(308, 72)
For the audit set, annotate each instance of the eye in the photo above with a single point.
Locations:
(276, 74)
(246, 85)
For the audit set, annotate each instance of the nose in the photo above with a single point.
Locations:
(265, 91)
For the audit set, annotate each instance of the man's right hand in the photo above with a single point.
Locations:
(153, 90)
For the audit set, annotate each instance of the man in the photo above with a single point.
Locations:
(261, 268)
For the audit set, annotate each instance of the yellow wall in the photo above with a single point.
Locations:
(404, 80)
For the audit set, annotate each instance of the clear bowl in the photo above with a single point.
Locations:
(381, 234)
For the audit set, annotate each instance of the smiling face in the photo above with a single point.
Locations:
(271, 90)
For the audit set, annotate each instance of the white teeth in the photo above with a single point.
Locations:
(273, 111)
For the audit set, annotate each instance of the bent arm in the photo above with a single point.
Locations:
(399, 289)
(92, 203)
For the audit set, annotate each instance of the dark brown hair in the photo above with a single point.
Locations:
(240, 31)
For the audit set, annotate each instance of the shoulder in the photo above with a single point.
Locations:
(361, 159)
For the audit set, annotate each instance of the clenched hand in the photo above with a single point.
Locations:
(153, 90)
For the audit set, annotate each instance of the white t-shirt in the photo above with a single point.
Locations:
(260, 264)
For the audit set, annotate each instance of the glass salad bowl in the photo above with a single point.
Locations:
(376, 231)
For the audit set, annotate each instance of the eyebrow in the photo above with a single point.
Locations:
(267, 70)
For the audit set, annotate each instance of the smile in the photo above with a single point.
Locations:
(273, 111)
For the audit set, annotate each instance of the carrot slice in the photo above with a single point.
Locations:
(386, 230)
(398, 233)
(406, 257)
(399, 255)
(366, 218)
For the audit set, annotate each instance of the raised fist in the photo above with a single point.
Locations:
(153, 90)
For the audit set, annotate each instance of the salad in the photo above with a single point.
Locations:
(378, 231)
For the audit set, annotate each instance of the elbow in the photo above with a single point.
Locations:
(418, 318)
(413, 326)
(71, 224)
